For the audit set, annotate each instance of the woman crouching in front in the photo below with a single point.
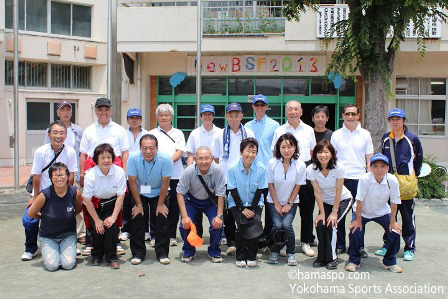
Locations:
(57, 207)
(332, 197)
(104, 190)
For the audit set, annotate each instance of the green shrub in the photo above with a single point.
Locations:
(432, 185)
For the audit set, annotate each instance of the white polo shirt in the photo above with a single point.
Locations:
(283, 182)
(351, 150)
(327, 185)
(304, 135)
(95, 134)
(375, 196)
(234, 148)
(96, 184)
(44, 154)
(201, 137)
(169, 147)
(134, 144)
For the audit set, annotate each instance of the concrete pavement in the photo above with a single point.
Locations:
(202, 279)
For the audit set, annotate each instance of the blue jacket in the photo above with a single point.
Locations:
(408, 152)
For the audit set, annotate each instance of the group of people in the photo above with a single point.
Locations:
(135, 180)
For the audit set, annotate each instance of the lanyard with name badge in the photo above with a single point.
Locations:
(144, 189)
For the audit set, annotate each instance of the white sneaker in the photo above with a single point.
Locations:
(173, 242)
(152, 243)
(165, 261)
(120, 250)
(123, 236)
(28, 256)
(87, 251)
(283, 251)
(231, 250)
(215, 259)
(147, 236)
(187, 259)
(292, 261)
(223, 241)
(78, 252)
(241, 264)
(307, 249)
(252, 263)
(136, 261)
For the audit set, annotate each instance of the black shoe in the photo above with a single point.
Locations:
(318, 264)
(340, 251)
(363, 253)
(332, 265)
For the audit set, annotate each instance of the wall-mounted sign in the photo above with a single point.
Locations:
(312, 65)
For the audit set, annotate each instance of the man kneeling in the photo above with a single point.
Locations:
(198, 187)
(374, 190)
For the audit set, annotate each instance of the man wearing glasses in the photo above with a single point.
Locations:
(354, 148)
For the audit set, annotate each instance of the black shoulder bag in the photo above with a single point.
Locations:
(212, 196)
(29, 184)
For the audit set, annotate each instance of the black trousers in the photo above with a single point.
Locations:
(267, 230)
(327, 235)
(139, 225)
(104, 245)
(306, 206)
(173, 215)
(246, 249)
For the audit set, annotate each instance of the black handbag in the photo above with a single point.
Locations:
(29, 184)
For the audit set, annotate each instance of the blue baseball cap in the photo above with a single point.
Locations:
(134, 112)
(396, 112)
(260, 98)
(207, 108)
(379, 157)
(234, 107)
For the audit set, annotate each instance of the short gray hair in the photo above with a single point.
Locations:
(163, 108)
(204, 148)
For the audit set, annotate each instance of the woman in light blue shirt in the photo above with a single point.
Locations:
(246, 180)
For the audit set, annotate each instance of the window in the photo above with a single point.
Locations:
(60, 76)
(319, 87)
(38, 115)
(268, 87)
(9, 14)
(241, 86)
(82, 16)
(60, 18)
(36, 74)
(36, 15)
(165, 87)
(298, 87)
(9, 73)
(81, 77)
(213, 85)
(424, 100)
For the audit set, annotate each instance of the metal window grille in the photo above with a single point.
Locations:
(60, 76)
(36, 74)
(81, 78)
(9, 73)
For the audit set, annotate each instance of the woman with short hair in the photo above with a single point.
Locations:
(57, 207)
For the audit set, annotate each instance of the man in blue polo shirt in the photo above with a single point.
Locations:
(152, 171)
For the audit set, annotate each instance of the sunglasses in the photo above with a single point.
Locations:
(260, 105)
(350, 113)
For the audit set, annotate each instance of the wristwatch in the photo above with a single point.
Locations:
(220, 216)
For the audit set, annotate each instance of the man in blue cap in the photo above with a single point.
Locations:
(263, 128)
(375, 189)
(405, 152)
(226, 151)
(134, 133)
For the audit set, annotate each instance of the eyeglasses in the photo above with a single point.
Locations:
(259, 105)
(59, 175)
(350, 113)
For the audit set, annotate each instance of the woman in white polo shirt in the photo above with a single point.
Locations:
(285, 173)
(332, 197)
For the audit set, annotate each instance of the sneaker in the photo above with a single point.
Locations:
(394, 268)
(363, 253)
(152, 243)
(173, 242)
(123, 236)
(165, 261)
(340, 251)
(87, 251)
(215, 259)
(273, 258)
(351, 267)
(332, 265)
(292, 259)
(120, 250)
(78, 252)
(187, 259)
(136, 260)
(283, 251)
(147, 236)
(223, 241)
(264, 250)
(28, 256)
(306, 248)
(231, 250)
(241, 264)
(318, 264)
(408, 256)
(381, 252)
(252, 263)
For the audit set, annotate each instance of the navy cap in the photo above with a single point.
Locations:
(379, 157)
(134, 112)
(260, 98)
(234, 107)
(207, 108)
(396, 112)
(64, 103)
(103, 102)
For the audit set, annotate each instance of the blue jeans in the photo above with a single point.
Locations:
(194, 207)
(357, 240)
(31, 227)
(59, 252)
(284, 223)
